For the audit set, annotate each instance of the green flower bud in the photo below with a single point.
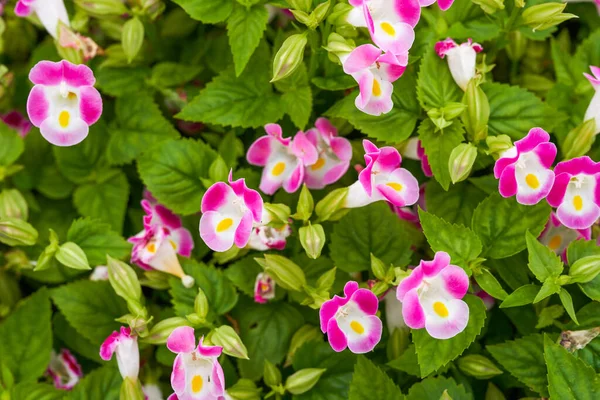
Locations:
(272, 375)
(319, 13)
(338, 45)
(303, 17)
(545, 16)
(325, 281)
(517, 45)
(306, 333)
(304, 380)
(244, 389)
(279, 214)
(305, 206)
(461, 161)
(290, 56)
(312, 239)
(478, 112)
(227, 338)
(562, 280)
(161, 331)
(579, 141)
(100, 8)
(201, 304)
(132, 38)
(339, 14)
(478, 366)
(520, 3)
(13, 205)
(490, 6)
(452, 110)
(131, 390)
(72, 256)
(124, 280)
(331, 204)
(16, 232)
(493, 393)
(303, 5)
(152, 8)
(585, 269)
(380, 288)
(378, 267)
(284, 272)
(218, 170)
(498, 145)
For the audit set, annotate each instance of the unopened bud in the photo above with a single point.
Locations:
(124, 280)
(585, 269)
(312, 239)
(278, 213)
(218, 170)
(303, 380)
(131, 389)
(227, 338)
(332, 203)
(319, 14)
(284, 272)
(517, 45)
(579, 141)
(132, 38)
(305, 206)
(16, 232)
(272, 375)
(493, 393)
(161, 331)
(490, 6)
(201, 304)
(13, 205)
(72, 256)
(305, 334)
(152, 8)
(461, 161)
(303, 5)
(452, 110)
(545, 16)
(497, 145)
(290, 56)
(244, 389)
(339, 14)
(478, 366)
(378, 267)
(339, 46)
(100, 8)
(477, 115)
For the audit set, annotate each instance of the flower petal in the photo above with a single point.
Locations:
(75, 133)
(182, 340)
(216, 238)
(304, 149)
(441, 260)
(259, 151)
(243, 231)
(38, 106)
(361, 58)
(453, 324)
(336, 337)
(217, 196)
(412, 312)
(456, 281)
(90, 104)
(366, 341)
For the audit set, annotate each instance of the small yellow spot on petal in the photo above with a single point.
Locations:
(278, 169)
(72, 96)
(197, 383)
(578, 202)
(394, 185)
(376, 88)
(63, 119)
(264, 287)
(357, 327)
(224, 224)
(440, 309)
(532, 181)
(151, 248)
(555, 242)
(388, 28)
(318, 165)
(173, 244)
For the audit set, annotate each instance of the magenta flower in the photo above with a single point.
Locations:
(576, 192)
(593, 110)
(284, 160)
(197, 374)
(264, 288)
(524, 170)
(334, 154)
(443, 4)
(64, 370)
(17, 121)
(228, 214)
(49, 12)
(432, 297)
(63, 103)
(558, 237)
(383, 179)
(265, 237)
(350, 321)
(128, 355)
(462, 59)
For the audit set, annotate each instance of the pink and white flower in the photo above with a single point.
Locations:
(229, 213)
(350, 321)
(432, 297)
(266, 237)
(393, 311)
(284, 160)
(334, 155)
(462, 59)
(197, 374)
(264, 288)
(128, 355)
(576, 192)
(49, 12)
(593, 110)
(375, 72)
(63, 103)
(383, 179)
(524, 169)
(443, 4)
(64, 370)
(17, 121)
(488, 301)
(558, 237)
(414, 150)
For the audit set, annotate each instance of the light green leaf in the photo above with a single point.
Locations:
(567, 302)
(53, 184)
(408, 362)
(207, 11)
(543, 262)
(297, 96)
(523, 358)
(577, 250)
(567, 68)
(433, 388)
(588, 52)
(434, 353)
(501, 224)
(168, 74)
(102, 383)
(97, 240)
(173, 172)
(36, 391)
(65, 333)
(467, 20)
(245, 28)
(549, 288)
(436, 87)
(122, 81)
(522, 296)
(490, 284)
(12, 145)
(549, 315)
(455, 205)
(369, 381)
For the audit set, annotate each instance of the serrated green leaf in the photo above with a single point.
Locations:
(122, 81)
(490, 284)
(12, 145)
(243, 274)
(207, 11)
(102, 383)
(97, 239)
(521, 296)
(549, 315)
(408, 362)
(567, 302)
(588, 52)
(68, 335)
(36, 391)
(455, 205)
(549, 288)
(433, 388)
(543, 262)
(434, 353)
(369, 381)
(436, 87)
(245, 28)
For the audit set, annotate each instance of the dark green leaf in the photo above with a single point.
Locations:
(369, 381)
(543, 262)
(433, 388)
(245, 28)
(436, 87)
(102, 383)
(97, 240)
(455, 205)
(207, 11)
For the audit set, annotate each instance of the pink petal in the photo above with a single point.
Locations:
(208, 224)
(22, 9)
(441, 48)
(77, 75)
(445, 4)
(336, 337)
(389, 159)
(441, 260)
(579, 165)
(390, 67)
(367, 342)
(546, 153)
(335, 173)
(218, 195)
(342, 148)
(182, 340)
(185, 243)
(451, 326)
(218, 381)
(533, 138)
(381, 105)
(413, 281)
(259, 152)
(267, 185)
(109, 346)
(293, 183)
(366, 301)
(90, 104)
(254, 202)
(559, 188)
(455, 280)
(412, 312)
(508, 182)
(38, 106)
(579, 221)
(547, 180)
(208, 351)
(326, 127)
(365, 85)
(361, 58)
(243, 231)
(304, 149)
(46, 73)
(409, 11)
(408, 195)
(178, 375)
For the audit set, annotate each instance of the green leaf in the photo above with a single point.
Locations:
(433, 388)
(490, 284)
(371, 229)
(140, 124)
(66, 334)
(173, 172)
(522, 296)
(245, 28)
(568, 377)
(501, 224)
(105, 200)
(549, 288)
(102, 383)
(514, 111)
(455, 205)
(53, 184)
(567, 302)
(36, 391)
(549, 315)
(122, 81)
(297, 96)
(436, 87)
(243, 274)
(460, 242)
(80, 300)
(97, 240)
(369, 381)
(524, 359)
(588, 52)
(26, 338)
(434, 353)
(408, 362)
(577, 250)
(207, 11)
(266, 330)
(168, 74)
(219, 291)
(543, 262)
(438, 146)
(513, 270)
(12, 145)
(567, 68)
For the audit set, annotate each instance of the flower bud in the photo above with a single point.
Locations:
(305, 206)
(279, 213)
(306, 333)
(461, 161)
(478, 366)
(339, 15)
(16, 232)
(272, 375)
(498, 145)
(378, 267)
(579, 140)
(132, 38)
(490, 6)
(152, 8)
(218, 170)
(244, 389)
(99, 8)
(332, 203)
(544, 16)
(585, 269)
(303, 380)
(325, 281)
(284, 272)
(131, 389)
(380, 288)
(452, 110)
(124, 280)
(72, 256)
(161, 331)
(477, 115)
(13, 205)
(319, 14)
(493, 393)
(289, 56)
(227, 338)
(303, 5)
(339, 46)
(312, 239)
(201, 304)
(517, 45)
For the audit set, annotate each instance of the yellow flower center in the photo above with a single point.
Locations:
(197, 383)
(151, 247)
(532, 181)
(376, 88)
(278, 169)
(63, 119)
(173, 244)
(357, 327)
(578, 202)
(72, 96)
(555, 242)
(224, 225)
(394, 185)
(388, 28)
(318, 165)
(440, 309)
